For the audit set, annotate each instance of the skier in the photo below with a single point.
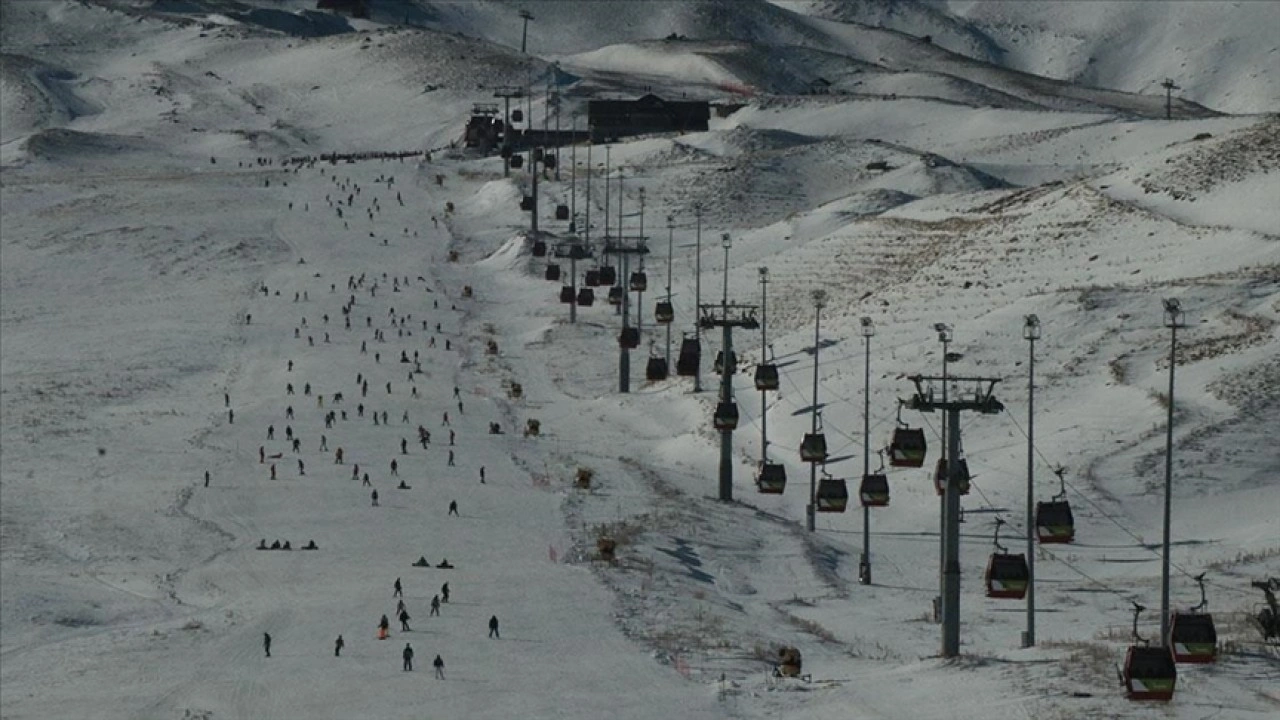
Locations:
(450, 458)
(384, 625)
(404, 621)
(374, 495)
(445, 421)
(408, 657)
(337, 646)
(395, 472)
(273, 471)
(438, 664)
(493, 627)
(266, 643)
(481, 474)
(399, 590)
(404, 446)
(206, 478)
(444, 592)
(453, 507)
(262, 454)
(435, 605)
(452, 436)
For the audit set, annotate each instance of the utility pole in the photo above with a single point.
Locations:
(606, 195)
(697, 285)
(982, 400)
(524, 34)
(864, 563)
(944, 337)
(1169, 87)
(625, 247)
(671, 234)
(626, 288)
(1031, 333)
(819, 302)
(586, 229)
(1174, 318)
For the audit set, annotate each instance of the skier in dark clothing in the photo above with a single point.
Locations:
(404, 621)
(453, 507)
(438, 664)
(399, 590)
(375, 498)
(337, 646)
(206, 478)
(444, 592)
(408, 657)
(266, 643)
(450, 463)
(493, 627)
(435, 605)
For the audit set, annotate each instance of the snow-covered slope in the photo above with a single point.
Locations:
(187, 279)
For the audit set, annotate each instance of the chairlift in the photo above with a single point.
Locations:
(517, 162)
(615, 295)
(833, 494)
(771, 478)
(639, 281)
(690, 355)
(1007, 573)
(1192, 634)
(718, 367)
(767, 376)
(940, 476)
(629, 338)
(592, 278)
(567, 295)
(586, 297)
(608, 275)
(1150, 673)
(813, 448)
(562, 212)
(1054, 520)
(553, 272)
(665, 312)
(726, 417)
(539, 248)
(656, 369)
(908, 446)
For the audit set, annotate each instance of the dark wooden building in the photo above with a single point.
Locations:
(613, 119)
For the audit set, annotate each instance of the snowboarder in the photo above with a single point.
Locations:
(453, 507)
(438, 664)
(435, 605)
(408, 657)
(337, 646)
(266, 643)
(399, 589)
(493, 627)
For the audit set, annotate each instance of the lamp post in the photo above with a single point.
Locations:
(671, 234)
(864, 564)
(726, 381)
(944, 337)
(1174, 318)
(819, 302)
(1031, 333)
(697, 287)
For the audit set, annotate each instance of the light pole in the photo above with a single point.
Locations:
(622, 271)
(864, 564)
(1031, 333)
(586, 229)
(671, 234)
(944, 337)
(573, 176)
(697, 287)
(726, 381)
(1174, 318)
(524, 34)
(764, 348)
(819, 302)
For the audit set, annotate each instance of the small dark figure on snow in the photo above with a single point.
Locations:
(408, 657)
(438, 664)
(374, 496)
(453, 507)
(444, 592)
(206, 478)
(421, 562)
(266, 643)
(445, 564)
(399, 590)
(435, 605)
(493, 627)
(395, 469)
(450, 463)
(404, 621)
(337, 646)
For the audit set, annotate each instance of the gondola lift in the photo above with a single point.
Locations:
(1149, 673)
(726, 416)
(1007, 573)
(586, 297)
(553, 272)
(771, 477)
(664, 312)
(874, 491)
(1192, 635)
(690, 355)
(833, 494)
(1055, 522)
(908, 447)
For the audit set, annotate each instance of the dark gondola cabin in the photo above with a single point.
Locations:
(962, 476)
(1193, 637)
(1007, 575)
(526, 203)
(664, 312)
(690, 357)
(578, 251)
(874, 491)
(615, 295)
(718, 367)
(771, 478)
(549, 161)
(726, 417)
(656, 369)
(639, 281)
(517, 162)
(562, 212)
(1054, 522)
(813, 448)
(539, 248)
(566, 295)
(592, 278)
(833, 495)
(767, 376)
(629, 338)
(907, 448)
(608, 274)
(586, 297)
(517, 116)
(1149, 673)
(553, 272)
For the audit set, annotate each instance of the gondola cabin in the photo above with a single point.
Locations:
(567, 295)
(517, 116)
(608, 275)
(1007, 576)
(1193, 637)
(586, 297)
(813, 448)
(553, 272)
(962, 476)
(629, 338)
(664, 312)
(907, 448)
(718, 367)
(526, 202)
(615, 295)
(517, 162)
(690, 357)
(592, 278)
(549, 161)
(539, 248)
(874, 491)
(771, 478)
(639, 281)
(1055, 522)
(1149, 673)
(656, 369)
(767, 376)
(562, 212)
(833, 495)
(726, 417)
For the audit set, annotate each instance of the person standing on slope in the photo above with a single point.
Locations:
(337, 646)
(493, 627)
(438, 663)
(408, 657)
(266, 643)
